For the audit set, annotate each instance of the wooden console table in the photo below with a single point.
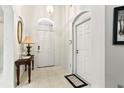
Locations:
(32, 60)
(24, 62)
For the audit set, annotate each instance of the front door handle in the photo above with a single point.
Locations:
(77, 51)
(38, 49)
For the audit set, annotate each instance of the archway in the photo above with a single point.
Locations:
(7, 75)
(78, 19)
(45, 43)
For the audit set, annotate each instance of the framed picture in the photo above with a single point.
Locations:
(118, 26)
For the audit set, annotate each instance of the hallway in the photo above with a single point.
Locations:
(49, 77)
(69, 37)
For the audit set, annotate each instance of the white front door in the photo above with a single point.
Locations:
(45, 48)
(83, 46)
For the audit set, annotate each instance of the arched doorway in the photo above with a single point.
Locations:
(81, 44)
(7, 74)
(45, 43)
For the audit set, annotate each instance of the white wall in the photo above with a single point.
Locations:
(98, 46)
(114, 54)
(60, 37)
(22, 12)
(97, 66)
(33, 13)
(17, 47)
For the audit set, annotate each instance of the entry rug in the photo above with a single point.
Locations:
(75, 81)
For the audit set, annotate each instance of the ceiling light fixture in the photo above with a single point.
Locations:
(50, 9)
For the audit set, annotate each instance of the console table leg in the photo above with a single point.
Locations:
(25, 67)
(32, 64)
(18, 74)
(29, 72)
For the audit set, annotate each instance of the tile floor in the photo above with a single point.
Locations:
(49, 77)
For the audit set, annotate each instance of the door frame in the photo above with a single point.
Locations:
(85, 16)
(76, 26)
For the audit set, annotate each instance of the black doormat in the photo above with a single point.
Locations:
(75, 81)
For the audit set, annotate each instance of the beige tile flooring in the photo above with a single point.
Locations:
(48, 77)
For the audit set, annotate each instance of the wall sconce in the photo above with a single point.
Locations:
(50, 9)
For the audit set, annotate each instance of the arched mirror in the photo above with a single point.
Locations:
(20, 30)
(1, 38)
